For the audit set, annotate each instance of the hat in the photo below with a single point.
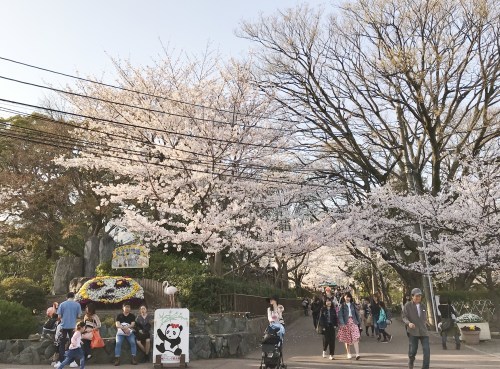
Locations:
(273, 297)
(416, 291)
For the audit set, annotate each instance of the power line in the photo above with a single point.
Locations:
(143, 108)
(157, 129)
(4, 133)
(242, 165)
(81, 144)
(142, 93)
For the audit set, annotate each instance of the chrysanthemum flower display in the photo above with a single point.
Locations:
(110, 290)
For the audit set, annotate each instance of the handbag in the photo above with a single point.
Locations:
(319, 329)
(369, 320)
(97, 341)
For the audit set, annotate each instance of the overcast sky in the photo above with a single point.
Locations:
(77, 35)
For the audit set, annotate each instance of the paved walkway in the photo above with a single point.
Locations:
(302, 350)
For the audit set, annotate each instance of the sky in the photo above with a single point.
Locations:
(82, 36)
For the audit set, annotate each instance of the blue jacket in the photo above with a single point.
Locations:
(382, 319)
(344, 314)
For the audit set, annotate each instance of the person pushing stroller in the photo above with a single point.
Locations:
(272, 342)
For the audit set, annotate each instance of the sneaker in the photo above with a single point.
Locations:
(390, 337)
(324, 353)
(134, 361)
(331, 357)
(358, 357)
(385, 341)
(89, 357)
(56, 365)
(349, 356)
(117, 361)
(73, 365)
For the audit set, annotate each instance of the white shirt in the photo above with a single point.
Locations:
(418, 310)
(349, 308)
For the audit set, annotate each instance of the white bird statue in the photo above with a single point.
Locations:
(170, 291)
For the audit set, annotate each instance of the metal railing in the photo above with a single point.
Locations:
(255, 305)
(484, 308)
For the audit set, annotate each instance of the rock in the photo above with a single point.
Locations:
(226, 325)
(233, 342)
(49, 351)
(106, 247)
(3, 345)
(76, 283)
(16, 348)
(29, 356)
(67, 268)
(90, 256)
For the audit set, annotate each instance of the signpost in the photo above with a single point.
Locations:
(171, 337)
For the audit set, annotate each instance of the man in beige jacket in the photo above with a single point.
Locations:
(415, 318)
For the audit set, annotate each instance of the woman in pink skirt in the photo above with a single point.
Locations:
(349, 325)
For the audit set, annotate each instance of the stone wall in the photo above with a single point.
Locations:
(211, 336)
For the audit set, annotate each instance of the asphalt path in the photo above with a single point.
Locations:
(303, 348)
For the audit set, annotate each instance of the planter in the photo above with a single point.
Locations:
(470, 337)
(485, 330)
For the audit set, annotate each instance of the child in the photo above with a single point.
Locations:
(75, 351)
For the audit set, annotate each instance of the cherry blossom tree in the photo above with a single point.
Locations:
(205, 165)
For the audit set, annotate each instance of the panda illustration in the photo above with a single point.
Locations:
(172, 339)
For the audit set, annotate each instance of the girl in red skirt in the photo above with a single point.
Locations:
(349, 325)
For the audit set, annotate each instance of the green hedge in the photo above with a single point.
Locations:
(16, 321)
(456, 296)
(198, 288)
(24, 291)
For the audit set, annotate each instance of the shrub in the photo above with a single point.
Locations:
(24, 291)
(16, 321)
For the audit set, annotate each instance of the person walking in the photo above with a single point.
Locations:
(305, 306)
(367, 317)
(316, 309)
(68, 311)
(144, 325)
(125, 324)
(382, 323)
(415, 319)
(92, 323)
(348, 325)
(449, 326)
(375, 309)
(328, 322)
(75, 351)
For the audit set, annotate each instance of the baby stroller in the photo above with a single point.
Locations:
(272, 349)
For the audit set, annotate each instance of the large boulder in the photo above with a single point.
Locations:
(91, 256)
(106, 247)
(67, 268)
(76, 283)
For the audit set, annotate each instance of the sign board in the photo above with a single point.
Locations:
(171, 335)
(130, 256)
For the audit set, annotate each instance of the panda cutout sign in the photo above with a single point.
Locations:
(171, 332)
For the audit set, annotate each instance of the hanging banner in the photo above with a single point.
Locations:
(130, 256)
(171, 335)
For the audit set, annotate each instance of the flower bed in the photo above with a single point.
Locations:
(110, 290)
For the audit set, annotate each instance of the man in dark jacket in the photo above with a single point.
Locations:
(415, 318)
(316, 308)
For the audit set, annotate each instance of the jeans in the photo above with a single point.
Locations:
(131, 340)
(413, 347)
(71, 355)
(65, 335)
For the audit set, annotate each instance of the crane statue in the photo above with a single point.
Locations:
(170, 292)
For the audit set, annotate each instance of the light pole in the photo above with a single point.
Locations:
(426, 277)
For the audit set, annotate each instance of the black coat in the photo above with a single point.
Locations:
(323, 317)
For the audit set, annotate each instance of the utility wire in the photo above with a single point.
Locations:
(125, 124)
(4, 133)
(143, 93)
(81, 144)
(241, 164)
(143, 108)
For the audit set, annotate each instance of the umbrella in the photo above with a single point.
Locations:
(327, 284)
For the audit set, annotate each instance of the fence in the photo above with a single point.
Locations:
(255, 305)
(483, 308)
